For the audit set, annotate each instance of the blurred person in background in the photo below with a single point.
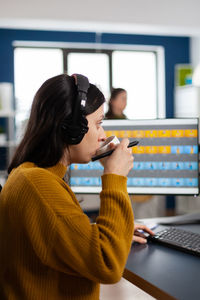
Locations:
(117, 104)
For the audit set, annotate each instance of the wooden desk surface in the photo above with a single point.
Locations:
(163, 272)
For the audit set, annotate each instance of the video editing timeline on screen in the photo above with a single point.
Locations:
(166, 157)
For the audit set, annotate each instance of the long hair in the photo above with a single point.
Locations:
(44, 142)
(114, 94)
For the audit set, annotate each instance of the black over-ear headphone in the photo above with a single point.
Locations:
(76, 126)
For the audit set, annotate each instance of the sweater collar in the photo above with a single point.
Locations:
(59, 169)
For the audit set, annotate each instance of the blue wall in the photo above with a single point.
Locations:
(176, 50)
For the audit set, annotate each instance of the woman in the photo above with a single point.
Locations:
(49, 249)
(117, 104)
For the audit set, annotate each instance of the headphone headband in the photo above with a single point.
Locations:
(82, 84)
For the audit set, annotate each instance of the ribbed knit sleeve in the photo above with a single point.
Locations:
(98, 251)
(50, 249)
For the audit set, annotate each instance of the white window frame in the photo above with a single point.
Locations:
(159, 50)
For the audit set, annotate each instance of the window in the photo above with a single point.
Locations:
(139, 70)
(135, 71)
(32, 66)
(93, 65)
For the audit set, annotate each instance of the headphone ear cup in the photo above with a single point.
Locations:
(76, 126)
(73, 134)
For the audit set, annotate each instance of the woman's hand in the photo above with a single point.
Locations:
(138, 236)
(120, 162)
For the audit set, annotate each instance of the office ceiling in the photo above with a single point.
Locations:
(173, 17)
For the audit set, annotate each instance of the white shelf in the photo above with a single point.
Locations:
(7, 113)
(187, 102)
(3, 173)
(8, 144)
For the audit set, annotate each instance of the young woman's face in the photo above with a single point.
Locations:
(120, 101)
(83, 152)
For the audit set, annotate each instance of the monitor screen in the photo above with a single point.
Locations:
(165, 160)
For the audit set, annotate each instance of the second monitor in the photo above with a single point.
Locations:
(165, 160)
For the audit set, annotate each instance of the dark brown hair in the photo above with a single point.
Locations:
(44, 141)
(114, 94)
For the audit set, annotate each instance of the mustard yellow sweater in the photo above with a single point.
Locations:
(48, 248)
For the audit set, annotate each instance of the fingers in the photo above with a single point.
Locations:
(124, 143)
(138, 236)
(144, 228)
(139, 239)
(112, 146)
(137, 233)
(121, 160)
(130, 150)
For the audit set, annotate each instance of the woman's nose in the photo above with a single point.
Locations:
(102, 136)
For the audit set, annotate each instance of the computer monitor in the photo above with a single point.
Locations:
(165, 160)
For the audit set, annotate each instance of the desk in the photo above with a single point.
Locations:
(163, 272)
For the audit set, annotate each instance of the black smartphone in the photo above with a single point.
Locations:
(107, 153)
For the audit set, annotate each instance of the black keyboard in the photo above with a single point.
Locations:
(179, 239)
